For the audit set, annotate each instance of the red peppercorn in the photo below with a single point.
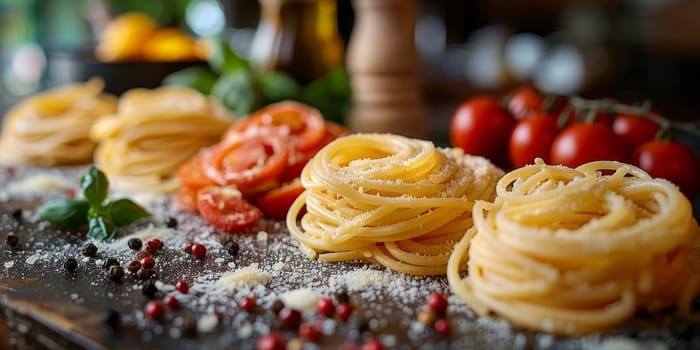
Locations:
(290, 317)
(373, 344)
(172, 302)
(311, 331)
(437, 303)
(325, 307)
(248, 304)
(148, 263)
(271, 341)
(141, 254)
(442, 327)
(134, 266)
(343, 310)
(182, 286)
(154, 245)
(154, 310)
(188, 247)
(199, 251)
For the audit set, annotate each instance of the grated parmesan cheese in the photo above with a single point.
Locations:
(303, 299)
(245, 276)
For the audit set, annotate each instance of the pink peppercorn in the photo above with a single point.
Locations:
(199, 251)
(247, 304)
(172, 302)
(443, 327)
(271, 341)
(343, 310)
(325, 307)
(437, 303)
(154, 310)
(148, 263)
(182, 286)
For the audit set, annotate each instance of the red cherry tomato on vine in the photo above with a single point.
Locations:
(672, 161)
(585, 142)
(524, 100)
(532, 137)
(634, 131)
(480, 126)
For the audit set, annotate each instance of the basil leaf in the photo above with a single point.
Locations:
(236, 91)
(330, 94)
(277, 86)
(201, 79)
(95, 186)
(65, 212)
(224, 59)
(124, 211)
(102, 228)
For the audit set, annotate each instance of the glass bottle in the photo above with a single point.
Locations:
(299, 37)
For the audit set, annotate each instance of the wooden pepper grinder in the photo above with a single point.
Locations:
(383, 67)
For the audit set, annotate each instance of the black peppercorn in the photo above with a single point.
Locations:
(342, 296)
(116, 272)
(109, 263)
(89, 250)
(70, 264)
(135, 243)
(361, 324)
(232, 248)
(149, 289)
(143, 274)
(111, 318)
(12, 240)
(171, 222)
(17, 214)
(277, 306)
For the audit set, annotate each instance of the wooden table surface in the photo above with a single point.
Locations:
(45, 307)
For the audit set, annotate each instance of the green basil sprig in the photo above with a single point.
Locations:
(102, 217)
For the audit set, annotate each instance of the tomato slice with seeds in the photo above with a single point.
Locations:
(304, 125)
(298, 159)
(225, 209)
(275, 203)
(186, 199)
(191, 172)
(247, 159)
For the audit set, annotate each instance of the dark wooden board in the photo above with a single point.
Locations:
(44, 306)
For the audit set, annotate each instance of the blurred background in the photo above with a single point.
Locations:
(627, 49)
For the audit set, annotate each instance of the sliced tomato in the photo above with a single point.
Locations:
(298, 159)
(186, 199)
(225, 209)
(275, 203)
(191, 172)
(304, 125)
(247, 160)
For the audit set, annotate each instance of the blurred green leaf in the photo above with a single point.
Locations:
(224, 60)
(277, 86)
(330, 94)
(201, 79)
(237, 92)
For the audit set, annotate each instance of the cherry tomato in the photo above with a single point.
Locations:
(191, 172)
(247, 160)
(480, 126)
(585, 142)
(225, 209)
(186, 199)
(276, 202)
(672, 161)
(304, 125)
(525, 100)
(532, 137)
(633, 131)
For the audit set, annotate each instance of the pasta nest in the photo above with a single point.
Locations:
(390, 200)
(53, 127)
(575, 251)
(152, 133)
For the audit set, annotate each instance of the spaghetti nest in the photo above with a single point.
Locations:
(575, 251)
(153, 132)
(53, 127)
(390, 200)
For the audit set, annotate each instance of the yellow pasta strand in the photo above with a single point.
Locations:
(390, 200)
(153, 132)
(53, 127)
(575, 251)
